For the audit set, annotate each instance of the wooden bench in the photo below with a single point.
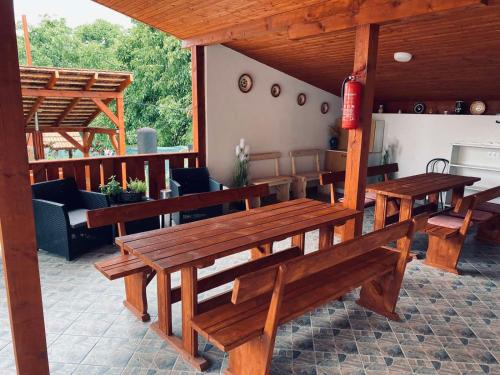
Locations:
(301, 179)
(447, 232)
(280, 182)
(246, 326)
(332, 178)
(138, 275)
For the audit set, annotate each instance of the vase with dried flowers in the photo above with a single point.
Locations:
(241, 176)
(334, 136)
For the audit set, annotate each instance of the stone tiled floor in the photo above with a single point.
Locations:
(449, 324)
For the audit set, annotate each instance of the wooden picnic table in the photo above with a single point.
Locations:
(412, 188)
(190, 246)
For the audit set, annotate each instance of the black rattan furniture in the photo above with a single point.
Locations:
(61, 218)
(186, 181)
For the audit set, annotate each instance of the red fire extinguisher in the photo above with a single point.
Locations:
(351, 94)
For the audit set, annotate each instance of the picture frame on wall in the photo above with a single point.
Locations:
(245, 83)
(275, 90)
(325, 107)
(301, 99)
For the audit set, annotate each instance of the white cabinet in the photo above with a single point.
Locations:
(478, 160)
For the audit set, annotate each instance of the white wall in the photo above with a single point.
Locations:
(414, 139)
(266, 123)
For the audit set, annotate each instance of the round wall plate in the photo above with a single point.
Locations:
(301, 99)
(325, 107)
(245, 83)
(477, 108)
(419, 108)
(275, 90)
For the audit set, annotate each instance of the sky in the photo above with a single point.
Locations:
(76, 12)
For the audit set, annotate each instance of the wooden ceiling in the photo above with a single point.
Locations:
(456, 53)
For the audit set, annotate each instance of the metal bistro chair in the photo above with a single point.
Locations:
(438, 165)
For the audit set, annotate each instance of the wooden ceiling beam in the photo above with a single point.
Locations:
(71, 140)
(105, 109)
(329, 17)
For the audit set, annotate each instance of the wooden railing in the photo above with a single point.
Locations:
(89, 173)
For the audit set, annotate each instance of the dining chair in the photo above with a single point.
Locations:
(438, 165)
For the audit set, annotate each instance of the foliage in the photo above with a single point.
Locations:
(137, 186)
(112, 188)
(159, 97)
(241, 175)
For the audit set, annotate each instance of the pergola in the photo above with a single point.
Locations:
(315, 40)
(63, 101)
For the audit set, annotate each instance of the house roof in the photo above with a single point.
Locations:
(65, 97)
(456, 51)
(57, 142)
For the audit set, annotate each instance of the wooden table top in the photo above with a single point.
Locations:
(201, 242)
(418, 186)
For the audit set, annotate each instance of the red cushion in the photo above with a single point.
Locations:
(371, 195)
(368, 201)
(494, 208)
(446, 221)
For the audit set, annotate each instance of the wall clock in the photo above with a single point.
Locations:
(301, 99)
(275, 90)
(245, 83)
(325, 108)
(477, 108)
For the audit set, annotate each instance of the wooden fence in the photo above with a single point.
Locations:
(89, 173)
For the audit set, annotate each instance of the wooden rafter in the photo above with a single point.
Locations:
(39, 100)
(105, 109)
(52, 129)
(328, 17)
(75, 101)
(71, 93)
(71, 140)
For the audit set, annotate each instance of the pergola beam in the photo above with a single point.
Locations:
(72, 93)
(71, 140)
(17, 228)
(39, 101)
(198, 103)
(53, 129)
(328, 17)
(75, 101)
(105, 109)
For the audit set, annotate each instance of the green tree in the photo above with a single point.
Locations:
(159, 97)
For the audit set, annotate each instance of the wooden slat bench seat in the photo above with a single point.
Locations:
(280, 182)
(121, 266)
(137, 274)
(300, 179)
(447, 233)
(246, 326)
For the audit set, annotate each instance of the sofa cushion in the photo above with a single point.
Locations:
(192, 180)
(78, 218)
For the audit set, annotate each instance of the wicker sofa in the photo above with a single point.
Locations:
(60, 210)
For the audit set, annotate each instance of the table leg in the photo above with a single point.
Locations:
(405, 213)
(325, 236)
(456, 194)
(163, 327)
(299, 240)
(380, 211)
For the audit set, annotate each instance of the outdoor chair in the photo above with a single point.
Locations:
(60, 210)
(185, 181)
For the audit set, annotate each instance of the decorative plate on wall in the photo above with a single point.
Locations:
(245, 83)
(477, 108)
(275, 90)
(419, 108)
(325, 108)
(301, 99)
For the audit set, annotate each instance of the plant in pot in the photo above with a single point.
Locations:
(241, 167)
(112, 189)
(135, 191)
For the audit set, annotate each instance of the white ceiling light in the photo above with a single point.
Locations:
(402, 57)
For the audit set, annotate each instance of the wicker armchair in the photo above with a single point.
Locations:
(186, 181)
(60, 210)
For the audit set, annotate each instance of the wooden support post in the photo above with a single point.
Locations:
(17, 230)
(38, 149)
(198, 95)
(365, 60)
(120, 109)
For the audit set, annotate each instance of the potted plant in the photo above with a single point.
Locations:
(135, 191)
(112, 189)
